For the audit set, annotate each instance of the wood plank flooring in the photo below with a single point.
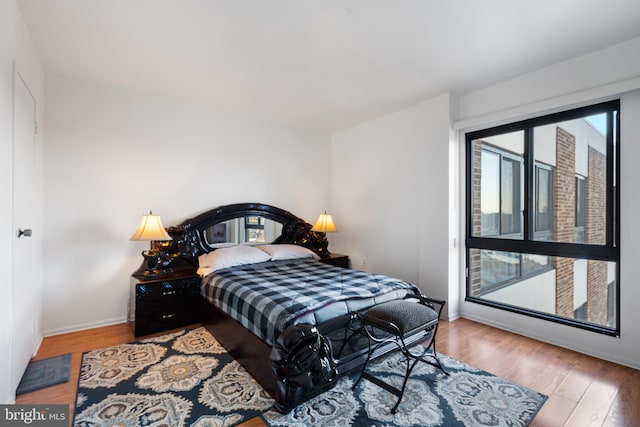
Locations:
(583, 391)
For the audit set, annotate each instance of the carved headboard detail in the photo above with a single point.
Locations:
(189, 239)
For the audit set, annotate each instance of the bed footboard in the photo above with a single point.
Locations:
(303, 366)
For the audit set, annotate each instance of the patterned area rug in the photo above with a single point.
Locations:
(188, 379)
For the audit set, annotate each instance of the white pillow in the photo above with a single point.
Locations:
(230, 257)
(286, 251)
(223, 245)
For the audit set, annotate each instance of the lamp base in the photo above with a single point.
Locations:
(147, 269)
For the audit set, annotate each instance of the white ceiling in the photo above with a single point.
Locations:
(321, 65)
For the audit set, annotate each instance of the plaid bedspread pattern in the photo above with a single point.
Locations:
(268, 297)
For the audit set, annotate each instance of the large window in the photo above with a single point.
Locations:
(542, 233)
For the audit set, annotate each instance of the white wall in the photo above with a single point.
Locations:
(374, 183)
(536, 293)
(574, 81)
(435, 240)
(7, 10)
(114, 154)
(389, 195)
(613, 72)
(17, 54)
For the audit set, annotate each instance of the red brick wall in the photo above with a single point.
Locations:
(595, 221)
(564, 217)
(474, 261)
(595, 232)
(564, 191)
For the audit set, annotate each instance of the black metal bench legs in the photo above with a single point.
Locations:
(403, 322)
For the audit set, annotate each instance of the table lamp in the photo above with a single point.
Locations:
(151, 230)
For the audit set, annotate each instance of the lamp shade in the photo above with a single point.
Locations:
(151, 229)
(324, 224)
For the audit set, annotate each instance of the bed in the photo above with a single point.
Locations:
(280, 311)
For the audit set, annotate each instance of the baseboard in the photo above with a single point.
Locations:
(530, 334)
(37, 346)
(84, 326)
(450, 316)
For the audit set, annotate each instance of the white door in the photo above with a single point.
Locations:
(25, 300)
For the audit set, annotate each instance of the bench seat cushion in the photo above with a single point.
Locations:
(405, 314)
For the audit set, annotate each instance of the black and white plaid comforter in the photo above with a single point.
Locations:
(267, 297)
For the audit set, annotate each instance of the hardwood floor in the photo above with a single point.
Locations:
(583, 391)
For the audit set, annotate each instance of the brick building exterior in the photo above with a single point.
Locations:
(564, 196)
(474, 258)
(564, 201)
(595, 232)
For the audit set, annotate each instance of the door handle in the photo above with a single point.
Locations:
(27, 232)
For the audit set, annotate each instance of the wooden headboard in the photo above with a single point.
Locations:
(189, 238)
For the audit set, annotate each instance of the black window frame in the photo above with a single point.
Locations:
(506, 157)
(539, 231)
(610, 251)
(514, 221)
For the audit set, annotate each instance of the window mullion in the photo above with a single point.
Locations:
(611, 158)
(616, 186)
(500, 198)
(528, 208)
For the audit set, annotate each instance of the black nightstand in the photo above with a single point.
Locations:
(339, 260)
(157, 304)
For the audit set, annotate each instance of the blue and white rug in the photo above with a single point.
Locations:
(188, 379)
(45, 373)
